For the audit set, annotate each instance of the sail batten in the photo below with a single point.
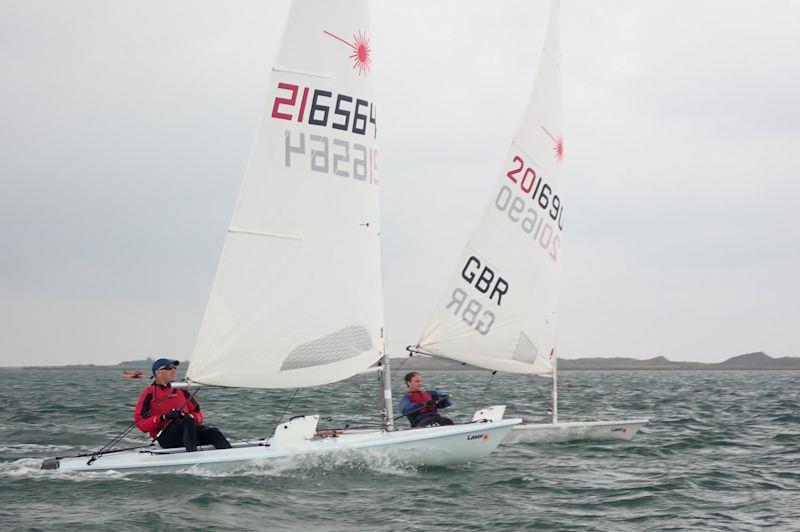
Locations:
(297, 298)
(262, 233)
(322, 75)
(500, 308)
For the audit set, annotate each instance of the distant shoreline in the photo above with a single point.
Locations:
(748, 362)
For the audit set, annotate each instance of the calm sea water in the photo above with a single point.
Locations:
(722, 453)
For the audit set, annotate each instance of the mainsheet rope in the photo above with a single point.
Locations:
(277, 424)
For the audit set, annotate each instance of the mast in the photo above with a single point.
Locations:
(555, 389)
(387, 392)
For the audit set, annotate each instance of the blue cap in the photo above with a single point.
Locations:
(164, 363)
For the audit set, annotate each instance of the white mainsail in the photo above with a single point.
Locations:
(297, 298)
(500, 308)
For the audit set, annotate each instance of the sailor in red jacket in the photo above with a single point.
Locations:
(173, 417)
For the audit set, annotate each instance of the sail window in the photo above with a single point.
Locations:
(340, 345)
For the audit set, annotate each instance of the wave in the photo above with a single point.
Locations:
(29, 468)
(15, 448)
(311, 465)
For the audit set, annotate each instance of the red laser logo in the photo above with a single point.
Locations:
(559, 145)
(361, 51)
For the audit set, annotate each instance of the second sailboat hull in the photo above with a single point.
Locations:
(574, 431)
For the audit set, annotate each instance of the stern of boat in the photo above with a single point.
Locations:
(50, 463)
(574, 431)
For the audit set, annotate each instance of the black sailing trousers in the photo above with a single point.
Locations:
(184, 432)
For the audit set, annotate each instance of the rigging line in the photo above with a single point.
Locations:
(371, 399)
(547, 399)
(400, 365)
(367, 402)
(485, 390)
(110, 445)
(374, 395)
(82, 455)
(363, 389)
(284, 412)
(114, 441)
(365, 424)
(248, 442)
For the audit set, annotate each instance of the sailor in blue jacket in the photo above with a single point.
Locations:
(421, 406)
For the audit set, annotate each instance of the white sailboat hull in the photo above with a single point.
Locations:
(574, 431)
(432, 446)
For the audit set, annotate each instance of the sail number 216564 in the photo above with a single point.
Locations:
(325, 109)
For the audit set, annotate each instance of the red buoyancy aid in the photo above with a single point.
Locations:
(156, 400)
(421, 397)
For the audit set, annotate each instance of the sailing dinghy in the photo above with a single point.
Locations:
(297, 298)
(500, 308)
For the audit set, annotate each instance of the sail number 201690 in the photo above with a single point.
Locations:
(531, 212)
(540, 192)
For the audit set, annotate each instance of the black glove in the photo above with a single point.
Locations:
(441, 398)
(172, 414)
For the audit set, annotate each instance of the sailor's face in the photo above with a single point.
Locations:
(166, 375)
(415, 383)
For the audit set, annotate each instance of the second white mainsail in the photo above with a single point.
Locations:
(500, 307)
(297, 298)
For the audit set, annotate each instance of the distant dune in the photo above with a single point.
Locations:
(749, 361)
(142, 364)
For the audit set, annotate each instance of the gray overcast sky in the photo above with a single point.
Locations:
(126, 128)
